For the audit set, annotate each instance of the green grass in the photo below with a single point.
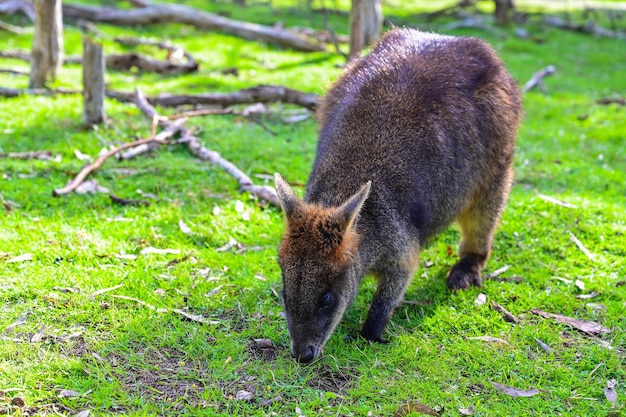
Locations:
(131, 360)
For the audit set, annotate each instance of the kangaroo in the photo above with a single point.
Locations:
(417, 134)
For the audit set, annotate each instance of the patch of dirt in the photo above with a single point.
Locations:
(41, 410)
(333, 381)
(164, 377)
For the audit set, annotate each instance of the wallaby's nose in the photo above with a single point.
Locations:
(306, 356)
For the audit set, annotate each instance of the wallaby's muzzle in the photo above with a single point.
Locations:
(305, 355)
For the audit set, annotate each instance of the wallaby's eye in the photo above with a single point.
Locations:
(327, 300)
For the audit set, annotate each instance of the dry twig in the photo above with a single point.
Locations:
(196, 148)
(537, 79)
(82, 175)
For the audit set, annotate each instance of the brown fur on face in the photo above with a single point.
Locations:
(424, 128)
(315, 232)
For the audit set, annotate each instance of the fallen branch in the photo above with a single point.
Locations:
(13, 71)
(590, 27)
(18, 6)
(259, 94)
(196, 148)
(82, 175)
(16, 92)
(7, 27)
(537, 79)
(41, 155)
(148, 12)
(124, 62)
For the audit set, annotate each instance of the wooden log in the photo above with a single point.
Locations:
(148, 13)
(93, 82)
(47, 54)
(259, 94)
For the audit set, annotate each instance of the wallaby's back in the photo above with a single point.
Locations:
(417, 134)
(427, 118)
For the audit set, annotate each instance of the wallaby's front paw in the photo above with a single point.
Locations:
(460, 279)
(374, 339)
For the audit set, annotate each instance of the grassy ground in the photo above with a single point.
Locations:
(78, 351)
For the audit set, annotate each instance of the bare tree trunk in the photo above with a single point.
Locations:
(503, 11)
(356, 28)
(47, 56)
(93, 82)
(372, 21)
(366, 23)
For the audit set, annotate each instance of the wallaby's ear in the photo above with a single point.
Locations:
(288, 200)
(348, 211)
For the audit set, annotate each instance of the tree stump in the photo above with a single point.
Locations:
(47, 55)
(93, 82)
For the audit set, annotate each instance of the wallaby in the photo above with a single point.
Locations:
(415, 135)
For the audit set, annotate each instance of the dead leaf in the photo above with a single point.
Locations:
(213, 291)
(84, 413)
(104, 290)
(480, 300)
(581, 246)
(143, 303)
(490, 339)
(21, 258)
(67, 393)
(588, 327)
(232, 243)
(78, 333)
(184, 228)
(296, 118)
(81, 156)
(126, 256)
(609, 391)
(18, 401)
(156, 251)
(579, 284)
(195, 317)
(506, 314)
(514, 392)
(469, 411)
(263, 343)
(413, 407)
(21, 320)
(160, 292)
(73, 290)
(555, 201)
(544, 346)
(244, 395)
(587, 296)
(38, 337)
(596, 307)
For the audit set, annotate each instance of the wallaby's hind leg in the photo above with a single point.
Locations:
(478, 223)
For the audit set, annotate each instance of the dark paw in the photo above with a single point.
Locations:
(458, 279)
(374, 339)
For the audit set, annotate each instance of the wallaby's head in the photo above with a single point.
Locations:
(318, 257)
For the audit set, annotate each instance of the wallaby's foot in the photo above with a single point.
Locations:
(466, 273)
(373, 338)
